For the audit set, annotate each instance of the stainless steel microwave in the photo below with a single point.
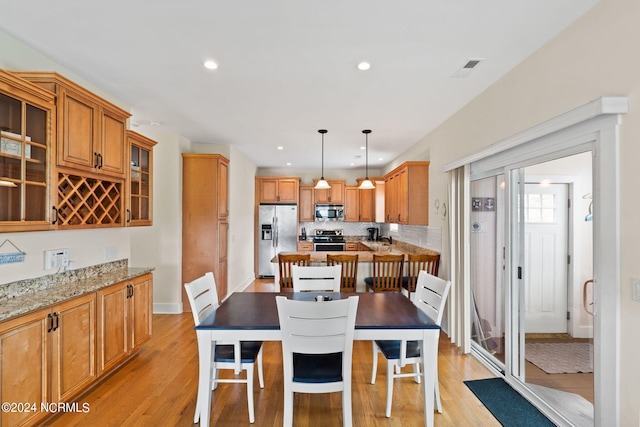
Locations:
(326, 212)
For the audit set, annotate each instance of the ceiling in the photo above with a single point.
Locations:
(287, 68)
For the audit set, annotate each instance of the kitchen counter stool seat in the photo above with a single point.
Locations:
(387, 273)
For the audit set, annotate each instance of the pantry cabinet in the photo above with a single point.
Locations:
(407, 194)
(27, 114)
(47, 356)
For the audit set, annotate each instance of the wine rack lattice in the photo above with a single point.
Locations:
(88, 201)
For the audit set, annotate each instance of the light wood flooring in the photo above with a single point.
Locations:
(158, 388)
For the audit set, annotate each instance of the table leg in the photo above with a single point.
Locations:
(429, 354)
(203, 402)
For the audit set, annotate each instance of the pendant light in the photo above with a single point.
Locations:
(322, 184)
(366, 184)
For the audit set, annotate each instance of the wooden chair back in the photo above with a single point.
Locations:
(349, 263)
(285, 261)
(387, 273)
(420, 262)
(316, 278)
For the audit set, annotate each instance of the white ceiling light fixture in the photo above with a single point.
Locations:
(322, 184)
(366, 184)
(210, 65)
(364, 66)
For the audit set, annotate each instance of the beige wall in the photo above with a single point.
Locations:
(596, 56)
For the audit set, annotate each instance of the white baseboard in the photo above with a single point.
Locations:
(173, 308)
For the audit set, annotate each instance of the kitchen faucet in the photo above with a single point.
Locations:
(388, 238)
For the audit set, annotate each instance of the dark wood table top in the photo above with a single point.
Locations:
(257, 310)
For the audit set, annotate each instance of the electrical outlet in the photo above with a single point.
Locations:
(56, 258)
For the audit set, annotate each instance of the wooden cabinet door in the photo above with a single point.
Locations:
(367, 205)
(140, 165)
(268, 190)
(288, 190)
(141, 300)
(113, 336)
(351, 203)
(306, 207)
(24, 366)
(111, 149)
(334, 195)
(402, 196)
(78, 133)
(73, 347)
(221, 273)
(223, 189)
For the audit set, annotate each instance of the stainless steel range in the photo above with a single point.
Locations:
(328, 240)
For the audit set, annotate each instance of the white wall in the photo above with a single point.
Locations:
(596, 56)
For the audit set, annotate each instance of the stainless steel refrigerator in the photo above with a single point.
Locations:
(278, 232)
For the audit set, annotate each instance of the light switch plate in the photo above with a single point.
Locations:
(636, 290)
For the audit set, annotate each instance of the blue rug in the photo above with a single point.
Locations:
(506, 404)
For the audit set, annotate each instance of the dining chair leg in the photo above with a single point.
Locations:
(287, 417)
(416, 370)
(437, 392)
(250, 374)
(374, 368)
(347, 418)
(260, 374)
(390, 367)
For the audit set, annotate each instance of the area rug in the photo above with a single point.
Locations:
(561, 358)
(506, 404)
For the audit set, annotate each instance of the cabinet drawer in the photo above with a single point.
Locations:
(351, 246)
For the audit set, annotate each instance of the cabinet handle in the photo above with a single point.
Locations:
(99, 161)
(50, 317)
(128, 216)
(95, 160)
(57, 321)
(55, 215)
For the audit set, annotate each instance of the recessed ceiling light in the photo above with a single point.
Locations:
(363, 148)
(288, 163)
(280, 147)
(210, 65)
(364, 66)
(380, 159)
(154, 123)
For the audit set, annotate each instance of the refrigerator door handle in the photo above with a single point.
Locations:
(275, 232)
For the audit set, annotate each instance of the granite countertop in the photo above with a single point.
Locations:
(32, 294)
(397, 248)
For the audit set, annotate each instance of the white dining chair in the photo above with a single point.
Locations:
(316, 278)
(237, 355)
(430, 296)
(317, 348)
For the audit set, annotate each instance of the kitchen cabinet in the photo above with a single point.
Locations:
(306, 206)
(140, 180)
(359, 205)
(333, 195)
(47, 356)
(27, 114)
(91, 132)
(274, 189)
(305, 246)
(351, 203)
(351, 246)
(407, 194)
(124, 320)
(205, 222)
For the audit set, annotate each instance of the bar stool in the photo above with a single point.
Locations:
(387, 273)
(349, 263)
(416, 262)
(285, 261)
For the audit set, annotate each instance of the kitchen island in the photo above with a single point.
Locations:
(365, 258)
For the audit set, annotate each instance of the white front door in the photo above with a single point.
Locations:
(545, 257)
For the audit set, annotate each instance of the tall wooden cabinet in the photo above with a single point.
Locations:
(205, 219)
(407, 194)
(306, 207)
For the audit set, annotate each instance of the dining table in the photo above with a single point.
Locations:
(253, 316)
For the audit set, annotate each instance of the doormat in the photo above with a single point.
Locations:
(506, 404)
(561, 358)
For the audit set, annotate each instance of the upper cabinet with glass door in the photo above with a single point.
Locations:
(140, 204)
(27, 114)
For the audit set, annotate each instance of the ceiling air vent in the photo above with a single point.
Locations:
(466, 69)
